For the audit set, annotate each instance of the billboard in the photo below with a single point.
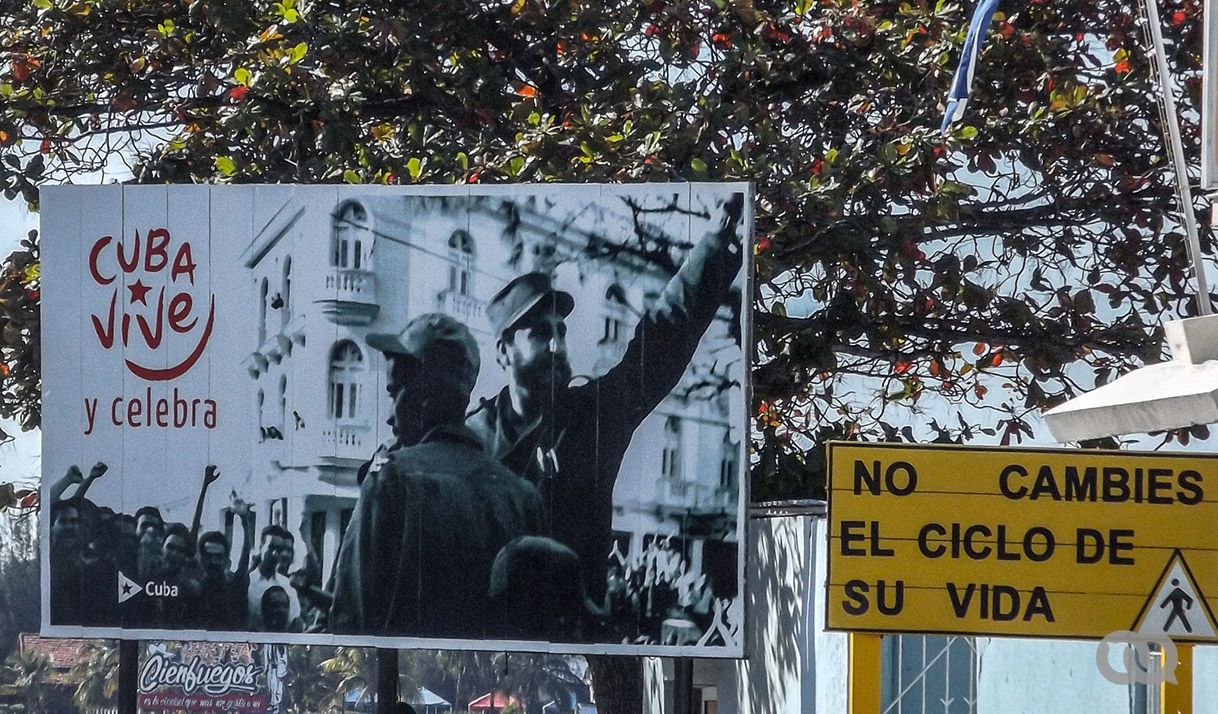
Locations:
(179, 677)
(471, 417)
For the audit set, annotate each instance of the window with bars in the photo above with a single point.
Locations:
(346, 372)
(670, 464)
(352, 238)
(461, 262)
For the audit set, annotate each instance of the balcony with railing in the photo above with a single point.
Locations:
(461, 307)
(347, 441)
(350, 296)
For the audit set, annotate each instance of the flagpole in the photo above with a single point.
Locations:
(1172, 125)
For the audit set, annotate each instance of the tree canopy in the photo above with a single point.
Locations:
(1001, 269)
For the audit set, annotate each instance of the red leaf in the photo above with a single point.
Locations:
(238, 92)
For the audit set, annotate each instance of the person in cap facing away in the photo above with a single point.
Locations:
(569, 440)
(435, 509)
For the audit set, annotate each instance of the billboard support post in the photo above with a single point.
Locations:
(386, 680)
(128, 669)
(1178, 698)
(683, 686)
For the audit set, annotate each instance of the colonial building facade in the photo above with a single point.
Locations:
(326, 276)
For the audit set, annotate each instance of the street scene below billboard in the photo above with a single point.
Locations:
(487, 418)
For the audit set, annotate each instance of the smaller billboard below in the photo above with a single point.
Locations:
(179, 677)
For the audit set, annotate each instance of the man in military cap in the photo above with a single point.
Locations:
(570, 440)
(435, 510)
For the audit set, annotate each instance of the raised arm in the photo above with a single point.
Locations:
(210, 474)
(242, 509)
(668, 335)
(95, 473)
(72, 476)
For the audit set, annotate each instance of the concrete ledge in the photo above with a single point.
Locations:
(1193, 340)
(1162, 396)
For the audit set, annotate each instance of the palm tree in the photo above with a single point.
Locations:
(469, 672)
(307, 685)
(96, 675)
(347, 670)
(28, 671)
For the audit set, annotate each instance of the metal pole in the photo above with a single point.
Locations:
(128, 676)
(1178, 698)
(683, 686)
(386, 680)
(1172, 125)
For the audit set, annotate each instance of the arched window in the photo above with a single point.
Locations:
(615, 314)
(285, 312)
(728, 463)
(461, 262)
(670, 465)
(346, 368)
(352, 237)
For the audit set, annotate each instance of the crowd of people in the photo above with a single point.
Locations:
(655, 597)
(185, 580)
(111, 569)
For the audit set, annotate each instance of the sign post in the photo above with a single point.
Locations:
(866, 664)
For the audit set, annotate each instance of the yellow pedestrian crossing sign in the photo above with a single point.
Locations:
(993, 541)
(1177, 607)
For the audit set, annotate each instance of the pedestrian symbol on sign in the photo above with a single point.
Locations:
(1176, 606)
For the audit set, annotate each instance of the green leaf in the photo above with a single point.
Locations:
(968, 133)
(43, 4)
(463, 160)
(297, 53)
(698, 165)
(414, 167)
(350, 176)
(165, 28)
(242, 75)
(225, 165)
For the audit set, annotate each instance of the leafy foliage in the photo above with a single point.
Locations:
(995, 272)
(1003, 269)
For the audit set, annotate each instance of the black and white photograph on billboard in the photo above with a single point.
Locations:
(502, 417)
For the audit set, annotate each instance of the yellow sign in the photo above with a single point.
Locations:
(1021, 542)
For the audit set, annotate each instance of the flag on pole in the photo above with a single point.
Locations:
(957, 95)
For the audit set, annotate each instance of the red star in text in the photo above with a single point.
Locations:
(139, 293)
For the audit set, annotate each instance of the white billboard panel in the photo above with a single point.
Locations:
(467, 417)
